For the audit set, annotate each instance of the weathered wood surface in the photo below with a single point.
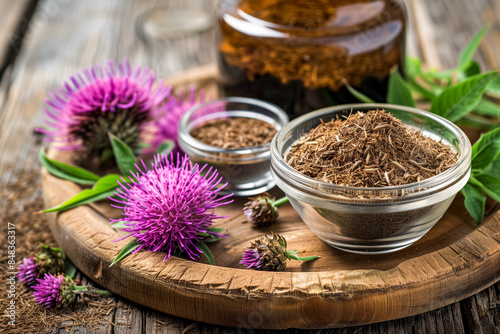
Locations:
(82, 32)
(14, 18)
(452, 261)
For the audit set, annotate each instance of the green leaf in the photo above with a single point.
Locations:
(120, 225)
(357, 94)
(489, 184)
(69, 268)
(457, 101)
(399, 92)
(440, 75)
(102, 189)
(413, 66)
(203, 247)
(486, 155)
(217, 229)
(487, 108)
(484, 142)
(166, 147)
(471, 48)
(465, 57)
(494, 86)
(475, 202)
(67, 172)
(475, 121)
(419, 89)
(473, 68)
(294, 255)
(124, 155)
(129, 248)
(493, 169)
(211, 238)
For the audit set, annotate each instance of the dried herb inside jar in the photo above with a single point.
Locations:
(235, 132)
(299, 54)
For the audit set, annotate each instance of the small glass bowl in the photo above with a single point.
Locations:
(371, 220)
(246, 170)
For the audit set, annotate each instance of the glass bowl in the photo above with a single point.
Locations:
(246, 170)
(371, 220)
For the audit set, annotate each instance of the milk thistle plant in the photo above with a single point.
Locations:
(170, 207)
(111, 111)
(114, 111)
(47, 260)
(262, 210)
(103, 100)
(58, 291)
(270, 253)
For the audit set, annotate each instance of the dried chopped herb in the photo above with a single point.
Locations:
(319, 48)
(372, 149)
(235, 132)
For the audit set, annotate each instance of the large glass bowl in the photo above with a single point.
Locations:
(371, 220)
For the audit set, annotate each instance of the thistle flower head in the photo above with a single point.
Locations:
(167, 125)
(27, 271)
(101, 100)
(54, 291)
(266, 253)
(49, 260)
(169, 207)
(260, 210)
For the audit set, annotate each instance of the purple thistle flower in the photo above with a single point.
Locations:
(48, 292)
(167, 126)
(266, 253)
(101, 100)
(252, 259)
(166, 208)
(28, 271)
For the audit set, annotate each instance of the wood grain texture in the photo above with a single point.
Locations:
(14, 18)
(454, 260)
(82, 32)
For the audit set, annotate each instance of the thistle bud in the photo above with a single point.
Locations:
(49, 260)
(261, 210)
(266, 253)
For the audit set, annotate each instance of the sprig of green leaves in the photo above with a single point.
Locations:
(485, 174)
(102, 187)
(459, 94)
(67, 172)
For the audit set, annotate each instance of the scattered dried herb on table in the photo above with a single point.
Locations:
(372, 149)
(20, 198)
(236, 132)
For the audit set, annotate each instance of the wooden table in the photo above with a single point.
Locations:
(59, 37)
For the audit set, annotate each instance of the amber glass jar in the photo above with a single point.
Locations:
(299, 54)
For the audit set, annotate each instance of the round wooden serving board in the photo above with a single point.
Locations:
(456, 259)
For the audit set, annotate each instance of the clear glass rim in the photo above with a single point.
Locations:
(184, 135)
(234, 4)
(430, 184)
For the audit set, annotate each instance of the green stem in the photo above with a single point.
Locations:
(426, 93)
(281, 201)
(294, 255)
(103, 293)
(475, 182)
